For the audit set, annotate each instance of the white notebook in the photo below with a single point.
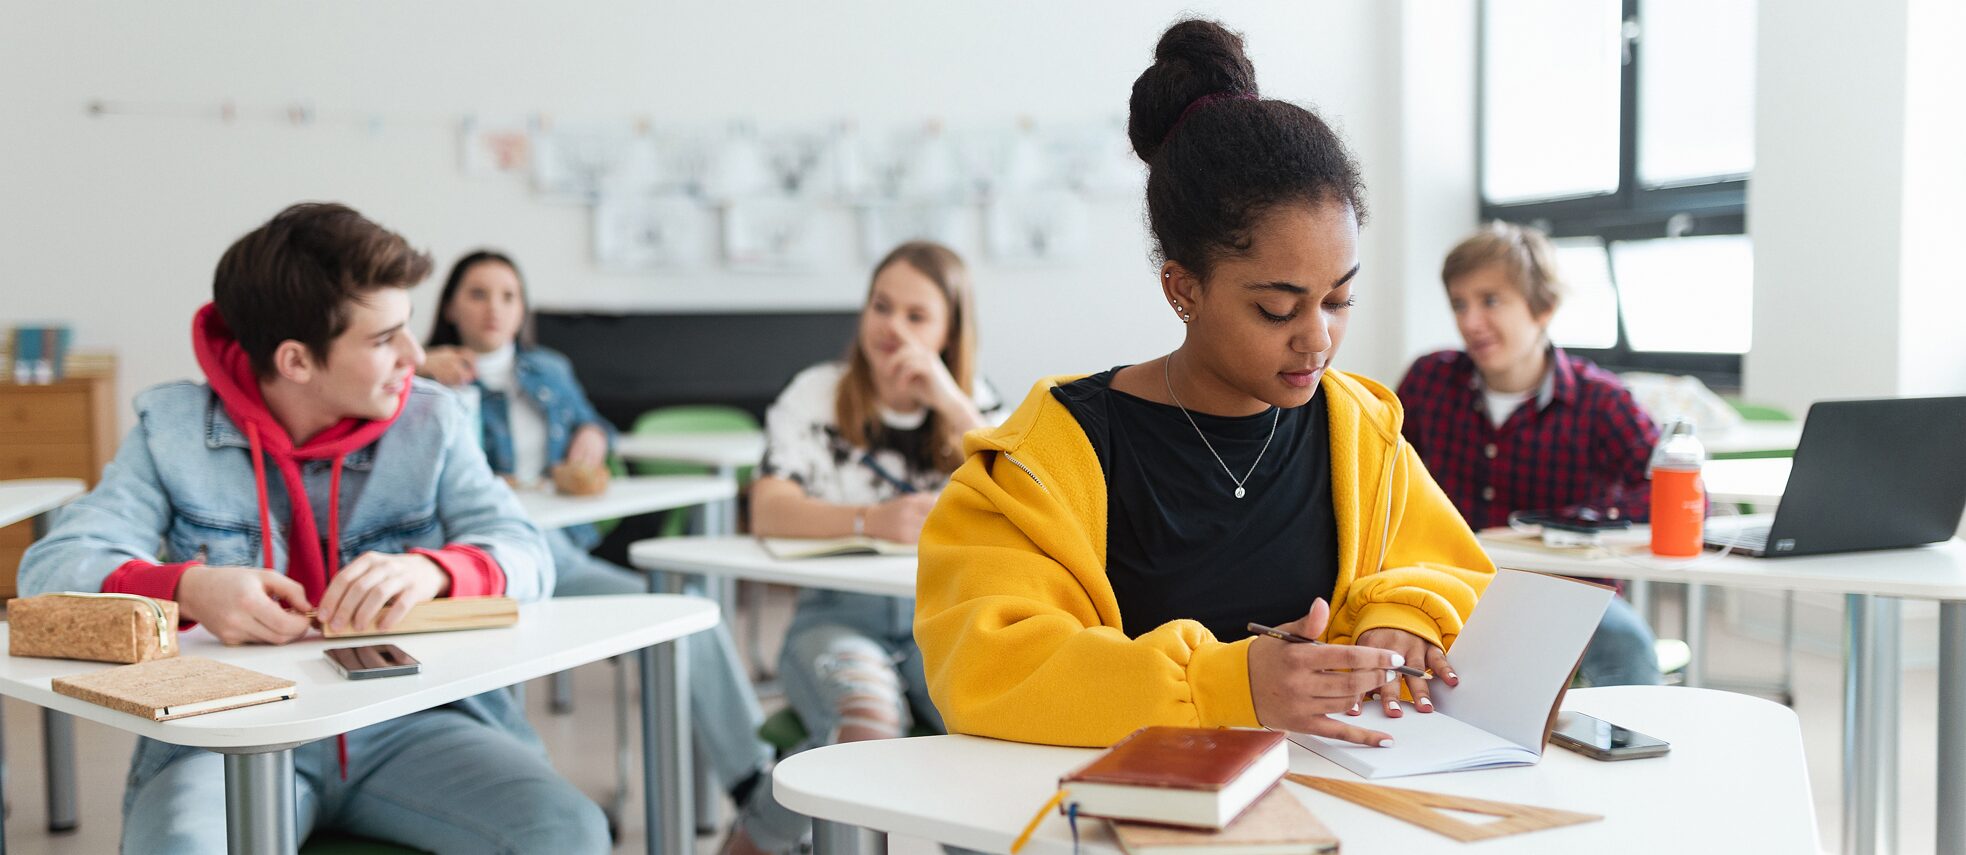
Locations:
(1514, 658)
(788, 548)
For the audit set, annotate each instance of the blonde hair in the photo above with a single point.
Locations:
(854, 407)
(1523, 252)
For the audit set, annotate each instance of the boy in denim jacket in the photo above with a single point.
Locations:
(312, 471)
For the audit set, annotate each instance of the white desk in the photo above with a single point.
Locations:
(28, 498)
(743, 558)
(32, 499)
(1734, 782)
(1751, 437)
(1869, 582)
(639, 494)
(1754, 481)
(551, 636)
(723, 451)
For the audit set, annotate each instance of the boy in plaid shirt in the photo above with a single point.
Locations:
(1513, 423)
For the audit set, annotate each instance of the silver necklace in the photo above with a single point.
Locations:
(1276, 415)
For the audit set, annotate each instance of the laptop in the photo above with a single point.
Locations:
(1873, 474)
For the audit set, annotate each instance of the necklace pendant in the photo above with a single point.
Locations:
(1238, 492)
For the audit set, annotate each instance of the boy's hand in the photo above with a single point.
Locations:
(244, 604)
(375, 591)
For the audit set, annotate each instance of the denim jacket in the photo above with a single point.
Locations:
(546, 377)
(181, 488)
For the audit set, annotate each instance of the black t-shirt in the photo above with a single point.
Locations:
(1179, 544)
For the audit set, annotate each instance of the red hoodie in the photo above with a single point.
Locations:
(229, 370)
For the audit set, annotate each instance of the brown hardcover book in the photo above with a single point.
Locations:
(95, 627)
(444, 615)
(1181, 776)
(1277, 824)
(164, 689)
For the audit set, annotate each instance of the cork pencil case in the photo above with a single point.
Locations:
(123, 628)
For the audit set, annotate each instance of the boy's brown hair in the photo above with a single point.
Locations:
(1523, 252)
(294, 277)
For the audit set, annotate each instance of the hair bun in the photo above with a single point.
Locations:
(1194, 58)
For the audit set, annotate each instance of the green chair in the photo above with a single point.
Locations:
(1757, 413)
(689, 418)
(783, 731)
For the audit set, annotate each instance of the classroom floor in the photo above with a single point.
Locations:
(582, 743)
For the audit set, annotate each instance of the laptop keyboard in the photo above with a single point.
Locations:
(1747, 533)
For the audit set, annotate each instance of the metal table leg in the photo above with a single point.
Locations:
(1871, 680)
(259, 803)
(1696, 635)
(836, 838)
(58, 738)
(1952, 727)
(666, 754)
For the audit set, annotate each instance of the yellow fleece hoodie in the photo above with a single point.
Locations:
(1021, 634)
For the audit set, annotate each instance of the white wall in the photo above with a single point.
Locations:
(1855, 203)
(115, 223)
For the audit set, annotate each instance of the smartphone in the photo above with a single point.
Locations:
(1601, 740)
(373, 660)
(1585, 520)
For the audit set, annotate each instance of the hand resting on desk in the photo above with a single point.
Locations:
(242, 605)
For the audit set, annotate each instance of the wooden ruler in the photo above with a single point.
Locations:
(1419, 808)
(445, 614)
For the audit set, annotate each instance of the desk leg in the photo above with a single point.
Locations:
(3, 786)
(666, 787)
(58, 737)
(1696, 636)
(259, 803)
(1871, 680)
(1952, 727)
(838, 838)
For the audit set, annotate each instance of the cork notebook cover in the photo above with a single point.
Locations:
(1277, 824)
(92, 627)
(164, 689)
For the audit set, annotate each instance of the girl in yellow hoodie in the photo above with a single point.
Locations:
(1093, 564)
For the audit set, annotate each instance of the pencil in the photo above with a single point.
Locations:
(1294, 638)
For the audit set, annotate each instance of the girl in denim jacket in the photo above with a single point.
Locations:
(535, 414)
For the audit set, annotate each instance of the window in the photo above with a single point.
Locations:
(1625, 128)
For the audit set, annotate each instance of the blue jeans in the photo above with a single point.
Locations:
(437, 780)
(1622, 651)
(848, 659)
(724, 711)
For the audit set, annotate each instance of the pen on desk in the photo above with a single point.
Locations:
(1294, 638)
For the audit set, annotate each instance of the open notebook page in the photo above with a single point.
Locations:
(1514, 656)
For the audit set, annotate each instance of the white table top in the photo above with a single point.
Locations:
(1756, 481)
(1734, 782)
(1933, 572)
(28, 498)
(743, 558)
(551, 636)
(1754, 436)
(640, 494)
(741, 448)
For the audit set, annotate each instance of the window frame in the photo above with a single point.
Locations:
(1633, 212)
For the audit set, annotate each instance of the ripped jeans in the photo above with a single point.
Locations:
(849, 662)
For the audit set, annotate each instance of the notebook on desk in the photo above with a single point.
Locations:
(1876, 474)
(787, 548)
(1514, 658)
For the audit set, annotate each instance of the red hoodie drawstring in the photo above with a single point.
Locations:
(334, 520)
(259, 481)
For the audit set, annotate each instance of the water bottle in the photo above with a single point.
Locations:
(1679, 498)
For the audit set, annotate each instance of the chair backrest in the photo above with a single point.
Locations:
(689, 418)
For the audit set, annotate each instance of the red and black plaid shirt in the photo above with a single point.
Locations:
(1581, 440)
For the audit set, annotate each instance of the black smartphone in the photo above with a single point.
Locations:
(373, 660)
(1585, 520)
(1601, 740)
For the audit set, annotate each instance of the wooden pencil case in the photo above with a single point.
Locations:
(444, 615)
(123, 628)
